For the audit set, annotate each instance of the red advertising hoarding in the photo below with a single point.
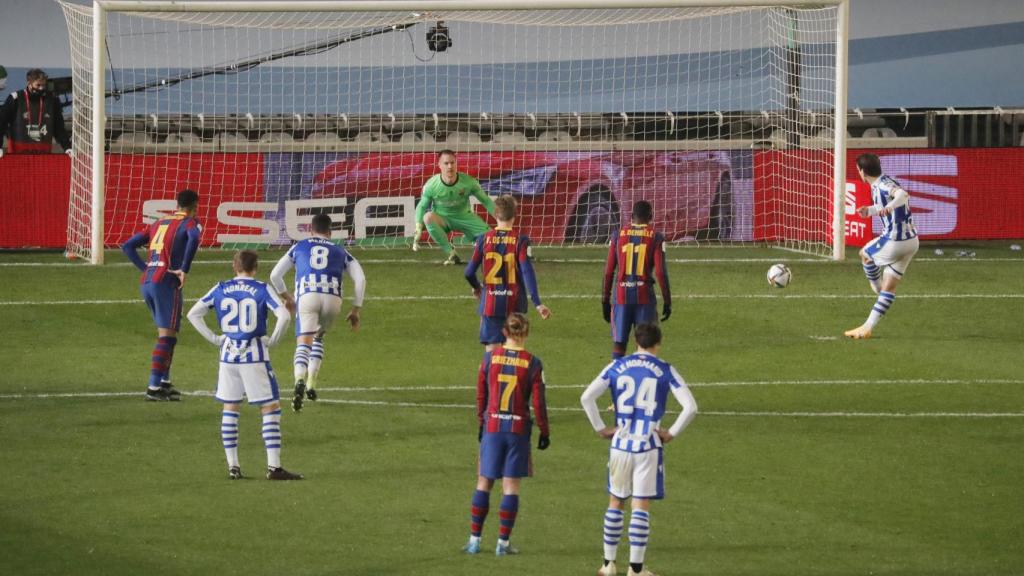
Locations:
(956, 194)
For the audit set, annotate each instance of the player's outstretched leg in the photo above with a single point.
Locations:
(873, 274)
(508, 512)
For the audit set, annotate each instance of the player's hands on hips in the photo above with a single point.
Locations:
(607, 432)
(666, 311)
(665, 436)
(353, 318)
(181, 277)
(266, 341)
(543, 442)
(477, 292)
(220, 340)
(544, 311)
(606, 311)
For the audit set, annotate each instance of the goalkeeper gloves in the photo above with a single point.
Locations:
(543, 442)
(666, 311)
(416, 238)
(606, 311)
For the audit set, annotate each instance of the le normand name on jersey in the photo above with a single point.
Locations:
(640, 363)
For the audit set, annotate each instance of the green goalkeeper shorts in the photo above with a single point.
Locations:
(469, 224)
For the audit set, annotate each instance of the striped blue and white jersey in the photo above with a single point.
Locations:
(319, 266)
(640, 384)
(900, 224)
(242, 305)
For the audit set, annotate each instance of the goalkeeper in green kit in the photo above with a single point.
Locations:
(447, 196)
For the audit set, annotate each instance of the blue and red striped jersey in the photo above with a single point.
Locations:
(510, 379)
(636, 260)
(505, 257)
(172, 243)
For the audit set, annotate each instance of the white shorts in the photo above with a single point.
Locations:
(316, 312)
(255, 381)
(896, 254)
(636, 474)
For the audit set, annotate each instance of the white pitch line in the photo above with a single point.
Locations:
(462, 387)
(539, 258)
(424, 298)
(758, 414)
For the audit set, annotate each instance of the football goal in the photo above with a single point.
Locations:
(728, 116)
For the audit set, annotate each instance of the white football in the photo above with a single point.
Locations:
(779, 276)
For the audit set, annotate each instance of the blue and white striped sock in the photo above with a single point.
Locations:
(316, 357)
(874, 275)
(885, 300)
(612, 533)
(639, 528)
(301, 361)
(229, 435)
(272, 437)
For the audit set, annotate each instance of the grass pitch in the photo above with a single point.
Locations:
(812, 454)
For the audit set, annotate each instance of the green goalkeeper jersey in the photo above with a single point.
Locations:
(452, 200)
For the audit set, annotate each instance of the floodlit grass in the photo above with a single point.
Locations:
(812, 454)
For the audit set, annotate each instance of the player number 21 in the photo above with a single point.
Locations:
(509, 260)
(635, 254)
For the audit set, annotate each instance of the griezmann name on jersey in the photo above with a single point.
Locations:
(509, 381)
(242, 305)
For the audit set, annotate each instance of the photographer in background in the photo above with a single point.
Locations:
(31, 118)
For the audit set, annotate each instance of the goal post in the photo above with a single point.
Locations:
(728, 115)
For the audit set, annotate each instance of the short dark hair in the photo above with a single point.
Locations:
(246, 261)
(188, 199)
(869, 164)
(35, 74)
(321, 224)
(648, 335)
(642, 212)
(445, 152)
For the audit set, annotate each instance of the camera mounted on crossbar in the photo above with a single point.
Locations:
(439, 38)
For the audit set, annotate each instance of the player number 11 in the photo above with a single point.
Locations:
(635, 254)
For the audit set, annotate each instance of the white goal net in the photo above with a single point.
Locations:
(721, 116)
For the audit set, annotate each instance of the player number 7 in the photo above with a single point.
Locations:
(510, 381)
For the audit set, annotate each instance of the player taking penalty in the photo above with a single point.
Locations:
(508, 274)
(509, 381)
(447, 195)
